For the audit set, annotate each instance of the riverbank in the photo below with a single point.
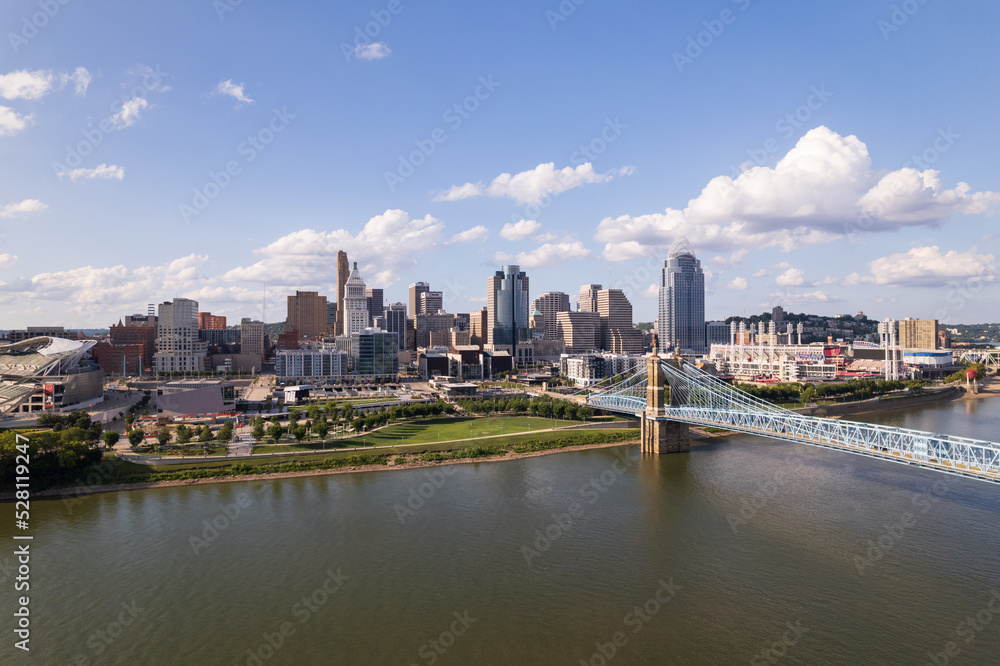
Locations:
(413, 462)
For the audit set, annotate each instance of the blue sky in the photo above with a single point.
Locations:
(200, 149)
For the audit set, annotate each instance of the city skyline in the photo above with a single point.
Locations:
(820, 185)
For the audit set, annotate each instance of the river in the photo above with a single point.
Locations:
(745, 551)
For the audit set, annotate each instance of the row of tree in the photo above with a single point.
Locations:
(543, 406)
(857, 389)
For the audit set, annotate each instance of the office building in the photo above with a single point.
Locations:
(307, 315)
(416, 289)
(507, 313)
(343, 274)
(618, 335)
(580, 331)
(395, 322)
(252, 339)
(918, 333)
(310, 365)
(425, 324)
(431, 302)
(477, 327)
(331, 315)
(374, 354)
(376, 303)
(355, 309)
(718, 333)
(206, 320)
(682, 301)
(587, 301)
(178, 346)
(549, 304)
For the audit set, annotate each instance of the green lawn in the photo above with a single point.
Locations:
(440, 430)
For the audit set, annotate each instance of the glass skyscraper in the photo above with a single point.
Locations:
(507, 305)
(682, 301)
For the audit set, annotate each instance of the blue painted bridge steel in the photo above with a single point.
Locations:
(702, 399)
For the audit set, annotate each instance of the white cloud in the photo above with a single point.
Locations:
(814, 194)
(733, 259)
(234, 90)
(652, 291)
(545, 238)
(373, 51)
(103, 171)
(503, 257)
(818, 296)
(928, 267)
(11, 122)
(25, 207)
(738, 283)
(761, 273)
(515, 231)
(22, 84)
(532, 186)
(476, 233)
(388, 244)
(548, 255)
(81, 79)
(829, 279)
(130, 112)
(7, 260)
(793, 277)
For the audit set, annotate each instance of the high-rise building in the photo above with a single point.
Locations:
(918, 333)
(331, 314)
(580, 331)
(343, 274)
(374, 354)
(208, 321)
(425, 324)
(355, 303)
(178, 347)
(587, 301)
(395, 322)
(431, 302)
(416, 289)
(252, 338)
(307, 315)
(507, 313)
(376, 303)
(618, 335)
(478, 321)
(682, 301)
(550, 303)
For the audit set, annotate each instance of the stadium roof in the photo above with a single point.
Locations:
(42, 356)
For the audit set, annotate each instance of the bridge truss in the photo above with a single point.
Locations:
(702, 399)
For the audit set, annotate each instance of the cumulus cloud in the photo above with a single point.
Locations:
(102, 293)
(818, 296)
(22, 84)
(738, 283)
(529, 187)
(23, 208)
(928, 267)
(546, 256)
(103, 171)
(7, 260)
(815, 194)
(733, 259)
(388, 244)
(793, 277)
(373, 51)
(515, 231)
(129, 112)
(652, 291)
(472, 235)
(761, 273)
(80, 78)
(234, 90)
(544, 238)
(11, 122)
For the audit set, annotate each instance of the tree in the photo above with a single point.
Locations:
(275, 431)
(205, 434)
(321, 428)
(299, 432)
(183, 434)
(225, 434)
(258, 429)
(808, 394)
(135, 437)
(111, 438)
(293, 415)
(163, 436)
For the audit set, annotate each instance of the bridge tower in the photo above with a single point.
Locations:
(660, 436)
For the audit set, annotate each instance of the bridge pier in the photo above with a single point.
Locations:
(660, 436)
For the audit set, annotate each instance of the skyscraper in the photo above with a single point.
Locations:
(431, 302)
(343, 274)
(588, 298)
(618, 335)
(416, 289)
(507, 313)
(355, 303)
(307, 315)
(395, 322)
(550, 304)
(376, 302)
(178, 348)
(682, 301)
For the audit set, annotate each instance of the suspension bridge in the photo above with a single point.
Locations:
(698, 398)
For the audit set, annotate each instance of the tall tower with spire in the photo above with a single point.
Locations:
(355, 303)
(682, 301)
